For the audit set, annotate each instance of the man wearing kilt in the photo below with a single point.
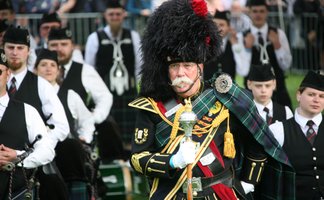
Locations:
(230, 146)
(114, 51)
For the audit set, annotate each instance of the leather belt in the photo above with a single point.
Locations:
(199, 183)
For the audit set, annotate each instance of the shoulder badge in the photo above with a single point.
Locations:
(141, 135)
(143, 103)
(223, 83)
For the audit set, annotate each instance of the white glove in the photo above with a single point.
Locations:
(247, 187)
(184, 156)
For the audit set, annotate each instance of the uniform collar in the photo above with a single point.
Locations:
(263, 30)
(260, 107)
(19, 77)
(301, 120)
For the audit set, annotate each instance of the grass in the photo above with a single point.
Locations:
(293, 81)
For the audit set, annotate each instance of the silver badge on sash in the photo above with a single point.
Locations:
(223, 83)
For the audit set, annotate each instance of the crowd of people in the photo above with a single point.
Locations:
(127, 96)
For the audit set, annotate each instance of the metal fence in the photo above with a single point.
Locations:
(299, 30)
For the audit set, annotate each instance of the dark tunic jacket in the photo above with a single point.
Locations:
(147, 159)
(13, 134)
(307, 160)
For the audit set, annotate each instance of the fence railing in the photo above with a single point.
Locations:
(305, 34)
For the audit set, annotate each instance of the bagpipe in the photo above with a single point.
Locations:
(31, 181)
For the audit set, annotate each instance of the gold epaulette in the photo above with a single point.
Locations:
(143, 103)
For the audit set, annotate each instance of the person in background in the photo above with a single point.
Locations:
(47, 22)
(71, 155)
(231, 61)
(240, 22)
(262, 82)
(20, 125)
(25, 86)
(264, 42)
(301, 137)
(230, 143)
(82, 78)
(115, 53)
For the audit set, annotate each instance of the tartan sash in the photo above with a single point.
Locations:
(240, 103)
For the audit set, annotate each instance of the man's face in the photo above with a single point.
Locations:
(64, 49)
(223, 26)
(259, 15)
(114, 16)
(45, 28)
(262, 90)
(311, 102)
(183, 75)
(4, 77)
(8, 15)
(17, 55)
(48, 69)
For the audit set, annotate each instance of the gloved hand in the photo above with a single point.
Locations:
(184, 156)
(247, 187)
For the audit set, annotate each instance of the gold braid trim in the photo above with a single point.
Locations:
(135, 160)
(229, 146)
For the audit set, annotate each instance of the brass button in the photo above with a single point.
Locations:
(314, 158)
(194, 193)
(314, 149)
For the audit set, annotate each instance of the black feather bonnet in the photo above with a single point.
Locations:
(178, 31)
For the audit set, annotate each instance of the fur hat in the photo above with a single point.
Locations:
(178, 31)
(17, 36)
(114, 4)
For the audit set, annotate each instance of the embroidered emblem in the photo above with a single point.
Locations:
(3, 57)
(223, 83)
(215, 109)
(141, 135)
(68, 33)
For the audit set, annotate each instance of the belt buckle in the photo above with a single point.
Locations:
(195, 183)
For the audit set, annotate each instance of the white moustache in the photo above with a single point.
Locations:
(179, 82)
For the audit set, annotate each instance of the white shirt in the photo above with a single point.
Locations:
(283, 54)
(97, 89)
(43, 150)
(263, 114)
(51, 105)
(278, 130)
(242, 65)
(83, 120)
(92, 47)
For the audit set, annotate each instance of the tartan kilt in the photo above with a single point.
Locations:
(123, 114)
(78, 190)
(277, 183)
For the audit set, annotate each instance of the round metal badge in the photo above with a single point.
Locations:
(223, 83)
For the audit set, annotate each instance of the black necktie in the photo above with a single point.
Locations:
(268, 118)
(310, 134)
(260, 39)
(13, 89)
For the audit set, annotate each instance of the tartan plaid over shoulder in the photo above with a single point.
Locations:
(278, 179)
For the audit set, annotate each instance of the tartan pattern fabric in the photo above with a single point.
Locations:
(78, 190)
(123, 114)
